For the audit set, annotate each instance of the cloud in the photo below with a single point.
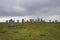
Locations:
(29, 7)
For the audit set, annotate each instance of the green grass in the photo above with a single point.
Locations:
(30, 31)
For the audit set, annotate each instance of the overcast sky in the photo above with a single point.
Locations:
(30, 8)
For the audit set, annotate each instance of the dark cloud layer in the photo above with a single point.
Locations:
(29, 7)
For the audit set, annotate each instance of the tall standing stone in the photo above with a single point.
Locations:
(17, 21)
(31, 20)
(11, 23)
(52, 21)
(55, 20)
(7, 21)
(49, 20)
(35, 20)
(38, 20)
(22, 20)
(41, 20)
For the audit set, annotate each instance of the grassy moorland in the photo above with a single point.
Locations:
(30, 31)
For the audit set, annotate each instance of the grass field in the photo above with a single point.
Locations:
(30, 31)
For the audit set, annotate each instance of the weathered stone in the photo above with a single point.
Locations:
(55, 20)
(11, 23)
(31, 20)
(41, 20)
(38, 20)
(7, 21)
(22, 20)
(17, 21)
(49, 20)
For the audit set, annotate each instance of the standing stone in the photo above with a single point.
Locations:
(22, 20)
(38, 20)
(11, 23)
(55, 20)
(27, 21)
(17, 21)
(35, 20)
(31, 20)
(52, 21)
(6, 21)
(49, 20)
(41, 20)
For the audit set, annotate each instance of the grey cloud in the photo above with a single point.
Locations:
(29, 7)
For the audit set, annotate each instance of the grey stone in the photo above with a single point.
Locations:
(23, 21)
(17, 21)
(11, 23)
